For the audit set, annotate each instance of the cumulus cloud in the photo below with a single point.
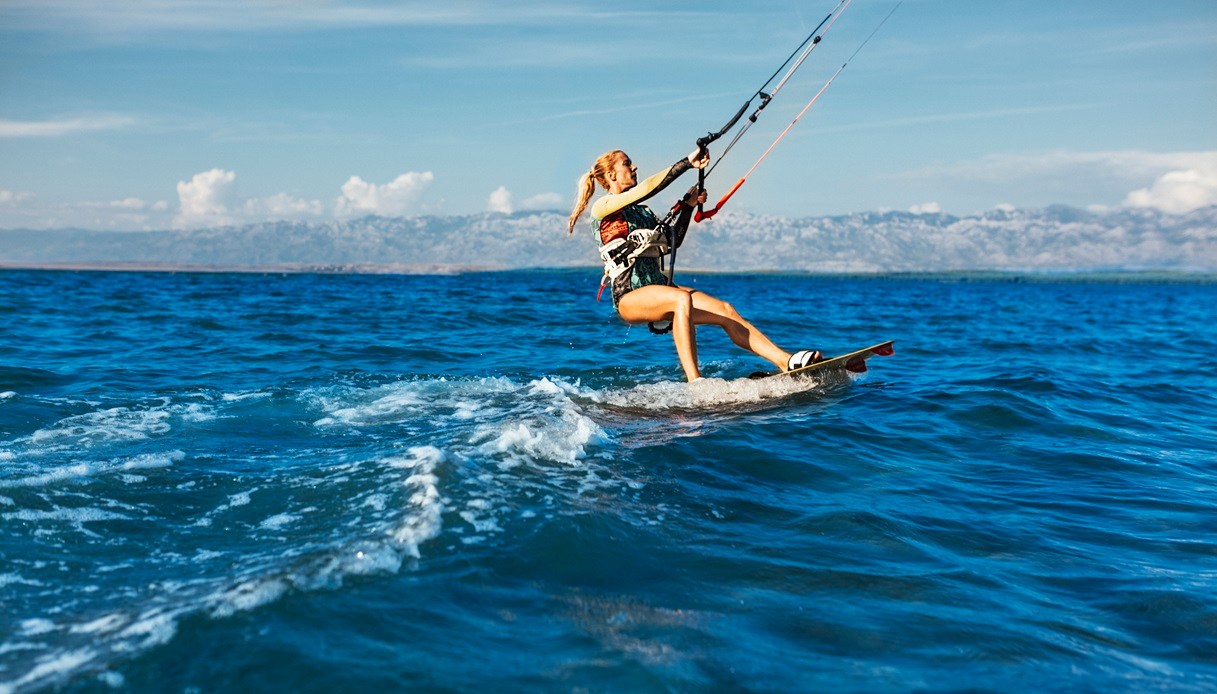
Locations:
(210, 199)
(394, 198)
(1171, 181)
(926, 208)
(207, 198)
(500, 201)
(1179, 191)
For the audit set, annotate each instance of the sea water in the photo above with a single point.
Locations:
(487, 482)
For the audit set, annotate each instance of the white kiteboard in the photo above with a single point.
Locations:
(854, 362)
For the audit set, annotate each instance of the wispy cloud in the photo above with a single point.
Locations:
(1133, 165)
(634, 105)
(135, 16)
(935, 119)
(61, 127)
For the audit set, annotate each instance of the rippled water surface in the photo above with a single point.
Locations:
(486, 482)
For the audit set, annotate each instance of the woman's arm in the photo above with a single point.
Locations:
(644, 190)
(613, 202)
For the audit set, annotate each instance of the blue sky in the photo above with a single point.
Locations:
(164, 113)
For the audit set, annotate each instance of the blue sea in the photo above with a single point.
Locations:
(487, 482)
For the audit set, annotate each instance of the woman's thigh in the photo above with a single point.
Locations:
(655, 302)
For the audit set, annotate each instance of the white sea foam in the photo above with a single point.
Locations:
(377, 502)
(406, 400)
(16, 647)
(425, 519)
(7, 394)
(152, 628)
(118, 423)
(709, 393)
(238, 397)
(35, 627)
(195, 413)
(97, 468)
(13, 578)
(53, 666)
(394, 404)
(77, 515)
(550, 427)
(478, 513)
(422, 520)
(400, 504)
(234, 500)
(101, 625)
(246, 595)
(278, 521)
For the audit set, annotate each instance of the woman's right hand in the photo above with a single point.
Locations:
(699, 157)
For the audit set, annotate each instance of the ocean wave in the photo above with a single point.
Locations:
(127, 620)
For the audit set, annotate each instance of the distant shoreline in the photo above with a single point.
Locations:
(283, 269)
(1030, 276)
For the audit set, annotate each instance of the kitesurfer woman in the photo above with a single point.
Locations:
(642, 292)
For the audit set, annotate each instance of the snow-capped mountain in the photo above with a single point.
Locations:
(1051, 239)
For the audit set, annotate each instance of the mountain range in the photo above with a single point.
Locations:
(1052, 239)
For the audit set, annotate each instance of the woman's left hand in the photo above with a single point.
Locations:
(699, 158)
(695, 196)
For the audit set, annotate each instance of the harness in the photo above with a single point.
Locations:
(620, 254)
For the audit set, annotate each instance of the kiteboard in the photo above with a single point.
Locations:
(854, 362)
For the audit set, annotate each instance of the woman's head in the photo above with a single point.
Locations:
(611, 168)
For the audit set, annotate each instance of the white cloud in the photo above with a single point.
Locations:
(129, 204)
(282, 206)
(12, 197)
(135, 16)
(1166, 180)
(500, 201)
(394, 198)
(210, 199)
(1179, 191)
(207, 199)
(1004, 207)
(544, 201)
(926, 208)
(69, 126)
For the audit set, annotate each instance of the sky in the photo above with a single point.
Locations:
(158, 114)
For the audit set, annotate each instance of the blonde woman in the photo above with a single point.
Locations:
(641, 292)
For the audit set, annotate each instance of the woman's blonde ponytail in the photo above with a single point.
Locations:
(587, 185)
(583, 193)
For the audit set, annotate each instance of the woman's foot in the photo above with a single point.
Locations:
(804, 357)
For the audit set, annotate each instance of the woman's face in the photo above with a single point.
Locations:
(624, 174)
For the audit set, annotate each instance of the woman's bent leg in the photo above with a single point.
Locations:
(712, 311)
(659, 302)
